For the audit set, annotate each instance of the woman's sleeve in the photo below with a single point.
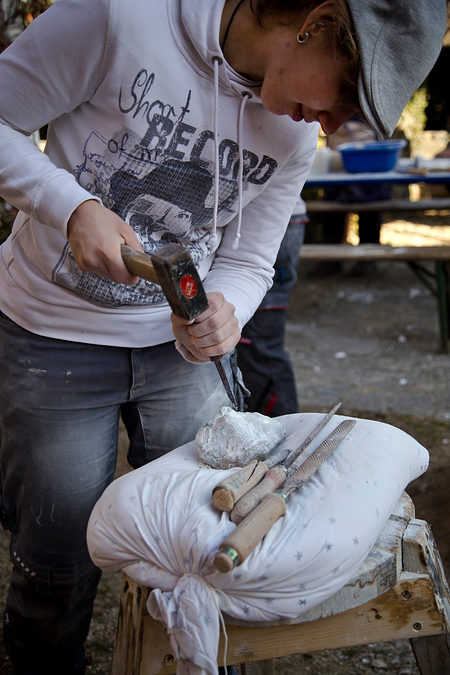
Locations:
(244, 274)
(52, 67)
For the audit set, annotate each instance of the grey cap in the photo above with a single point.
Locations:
(399, 42)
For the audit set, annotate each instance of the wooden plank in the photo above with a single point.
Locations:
(432, 654)
(324, 206)
(373, 252)
(157, 655)
(130, 627)
(420, 555)
(404, 509)
(405, 611)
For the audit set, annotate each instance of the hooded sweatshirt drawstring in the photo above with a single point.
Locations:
(217, 61)
(245, 96)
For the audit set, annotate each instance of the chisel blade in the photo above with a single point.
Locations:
(221, 370)
(318, 456)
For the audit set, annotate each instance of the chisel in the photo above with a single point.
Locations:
(233, 488)
(235, 549)
(172, 268)
(217, 360)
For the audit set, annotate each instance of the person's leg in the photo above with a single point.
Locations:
(46, 626)
(369, 227)
(266, 365)
(333, 231)
(262, 357)
(169, 401)
(59, 411)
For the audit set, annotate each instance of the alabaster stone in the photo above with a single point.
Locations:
(235, 438)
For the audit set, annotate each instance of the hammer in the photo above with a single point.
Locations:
(172, 268)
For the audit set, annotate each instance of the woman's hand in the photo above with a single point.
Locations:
(213, 333)
(95, 234)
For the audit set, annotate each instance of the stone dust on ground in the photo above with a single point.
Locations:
(371, 342)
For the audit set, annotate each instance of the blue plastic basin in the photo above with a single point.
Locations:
(371, 156)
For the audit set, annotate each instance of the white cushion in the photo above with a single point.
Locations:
(159, 526)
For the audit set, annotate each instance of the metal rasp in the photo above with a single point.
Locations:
(235, 549)
(276, 475)
(303, 473)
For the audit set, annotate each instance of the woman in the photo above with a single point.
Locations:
(221, 99)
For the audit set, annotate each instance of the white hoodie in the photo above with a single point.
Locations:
(145, 117)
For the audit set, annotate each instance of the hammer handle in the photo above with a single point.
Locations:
(236, 548)
(172, 268)
(273, 479)
(139, 263)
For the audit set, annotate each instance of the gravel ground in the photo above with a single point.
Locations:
(372, 343)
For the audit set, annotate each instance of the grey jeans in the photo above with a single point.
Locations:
(60, 404)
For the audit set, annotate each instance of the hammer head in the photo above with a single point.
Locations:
(173, 269)
(179, 280)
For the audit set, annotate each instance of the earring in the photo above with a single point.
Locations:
(302, 39)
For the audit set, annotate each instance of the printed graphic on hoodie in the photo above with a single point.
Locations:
(162, 184)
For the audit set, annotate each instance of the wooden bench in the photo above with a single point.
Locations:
(415, 256)
(390, 205)
(399, 592)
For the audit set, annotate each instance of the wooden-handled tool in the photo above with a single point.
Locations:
(273, 479)
(229, 491)
(233, 490)
(172, 268)
(241, 542)
(276, 476)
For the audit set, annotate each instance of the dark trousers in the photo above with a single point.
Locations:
(48, 625)
(333, 224)
(369, 227)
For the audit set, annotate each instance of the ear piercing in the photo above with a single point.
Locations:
(302, 39)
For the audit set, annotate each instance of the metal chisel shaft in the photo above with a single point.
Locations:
(217, 360)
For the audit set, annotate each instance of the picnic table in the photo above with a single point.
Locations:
(407, 172)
